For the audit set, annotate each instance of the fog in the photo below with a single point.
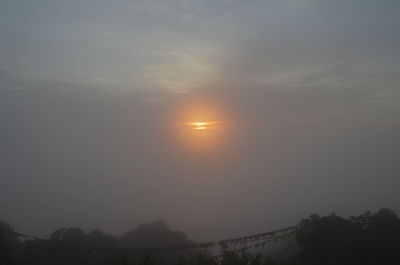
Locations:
(91, 92)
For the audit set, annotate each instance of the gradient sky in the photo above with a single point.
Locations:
(90, 92)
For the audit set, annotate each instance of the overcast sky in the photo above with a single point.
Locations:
(90, 92)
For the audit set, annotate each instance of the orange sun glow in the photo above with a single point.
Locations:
(201, 126)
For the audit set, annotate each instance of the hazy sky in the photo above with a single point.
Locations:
(91, 92)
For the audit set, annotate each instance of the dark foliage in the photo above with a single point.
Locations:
(368, 239)
(8, 244)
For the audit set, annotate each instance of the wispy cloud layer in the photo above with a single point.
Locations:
(90, 90)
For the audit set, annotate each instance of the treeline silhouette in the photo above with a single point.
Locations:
(367, 239)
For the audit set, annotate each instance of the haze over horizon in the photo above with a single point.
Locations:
(297, 101)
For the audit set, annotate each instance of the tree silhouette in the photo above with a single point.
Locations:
(8, 242)
(368, 239)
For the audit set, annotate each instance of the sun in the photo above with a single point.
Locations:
(200, 125)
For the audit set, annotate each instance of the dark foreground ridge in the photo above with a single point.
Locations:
(365, 239)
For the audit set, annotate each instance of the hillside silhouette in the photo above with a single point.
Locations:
(369, 239)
